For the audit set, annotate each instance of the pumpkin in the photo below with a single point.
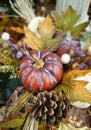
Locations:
(40, 70)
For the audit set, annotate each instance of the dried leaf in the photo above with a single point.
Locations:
(75, 90)
(33, 41)
(80, 117)
(47, 31)
(68, 126)
(13, 123)
(17, 29)
(45, 39)
(46, 26)
(67, 22)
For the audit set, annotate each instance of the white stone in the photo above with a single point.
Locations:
(65, 58)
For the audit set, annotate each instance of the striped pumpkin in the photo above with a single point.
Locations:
(40, 70)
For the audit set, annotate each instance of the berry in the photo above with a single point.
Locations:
(65, 58)
(5, 36)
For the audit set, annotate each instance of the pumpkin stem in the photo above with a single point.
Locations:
(38, 62)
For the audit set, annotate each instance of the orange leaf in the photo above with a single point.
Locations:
(17, 29)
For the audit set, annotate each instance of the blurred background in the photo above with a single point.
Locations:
(50, 3)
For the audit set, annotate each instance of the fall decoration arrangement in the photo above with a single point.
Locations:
(51, 66)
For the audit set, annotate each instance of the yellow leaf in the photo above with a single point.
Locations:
(33, 41)
(46, 32)
(44, 39)
(17, 29)
(75, 90)
(46, 26)
(13, 123)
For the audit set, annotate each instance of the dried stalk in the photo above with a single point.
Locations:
(30, 123)
(19, 103)
(24, 9)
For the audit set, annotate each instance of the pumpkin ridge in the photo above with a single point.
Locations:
(53, 62)
(22, 70)
(30, 83)
(41, 80)
(25, 64)
(51, 76)
(44, 55)
(28, 58)
(26, 73)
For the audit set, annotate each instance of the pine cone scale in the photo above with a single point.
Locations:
(50, 111)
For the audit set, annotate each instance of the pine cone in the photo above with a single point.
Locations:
(47, 109)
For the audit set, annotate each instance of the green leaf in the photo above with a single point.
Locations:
(67, 22)
(77, 29)
(51, 43)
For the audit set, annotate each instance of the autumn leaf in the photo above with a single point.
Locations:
(14, 122)
(45, 40)
(47, 31)
(46, 27)
(17, 29)
(75, 89)
(32, 40)
(67, 22)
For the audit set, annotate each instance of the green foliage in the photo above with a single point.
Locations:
(67, 22)
(8, 64)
